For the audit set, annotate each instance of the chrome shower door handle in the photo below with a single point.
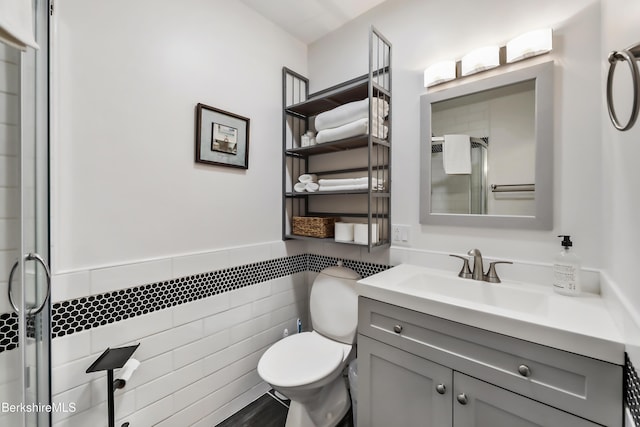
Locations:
(38, 308)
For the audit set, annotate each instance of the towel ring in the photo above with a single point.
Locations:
(628, 55)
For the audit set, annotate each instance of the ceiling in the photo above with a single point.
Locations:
(309, 20)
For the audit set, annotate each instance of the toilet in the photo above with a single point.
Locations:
(307, 367)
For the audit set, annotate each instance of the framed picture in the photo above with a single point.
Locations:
(222, 138)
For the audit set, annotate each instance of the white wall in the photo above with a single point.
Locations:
(620, 152)
(130, 206)
(421, 37)
(127, 78)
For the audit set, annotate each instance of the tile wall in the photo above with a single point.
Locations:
(202, 322)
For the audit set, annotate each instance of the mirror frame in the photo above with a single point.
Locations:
(544, 99)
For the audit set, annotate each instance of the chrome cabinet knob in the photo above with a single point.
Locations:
(462, 399)
(397, 329)
(440, 388)
(524, 370)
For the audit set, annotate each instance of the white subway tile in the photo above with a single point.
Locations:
(200, 263)
(249, 254)
(150, 415)
(124, 399)
(126, 276)
(168, 384)
(215, 381)
(148, 370)
(200, 309)
(281, 284)
(258, 343)
(276, 301)
(200, 349)
(133, 329)
(249, 328)
(70, 347)
(73, 374)
(80, 397)
(249, 294)
(10, 392)
(226, 319)
(168, 340)
(9, 363)
(70, 285)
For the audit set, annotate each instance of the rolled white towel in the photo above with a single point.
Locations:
(312, 187)
(307, 177)
(300, 187)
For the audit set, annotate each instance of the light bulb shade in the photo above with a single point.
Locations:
(480, 60)
(529, 44)
(439, 73)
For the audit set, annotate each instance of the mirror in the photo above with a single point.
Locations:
(487, 151)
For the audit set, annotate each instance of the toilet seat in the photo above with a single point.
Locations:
(301, 359)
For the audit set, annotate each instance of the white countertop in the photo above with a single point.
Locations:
(580, 324)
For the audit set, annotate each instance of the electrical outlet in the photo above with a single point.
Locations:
(401, 234)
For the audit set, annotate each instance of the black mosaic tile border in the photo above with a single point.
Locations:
(632, 390)
(8, 331)
(80, 314)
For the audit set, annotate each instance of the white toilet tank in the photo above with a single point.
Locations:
(333, 304)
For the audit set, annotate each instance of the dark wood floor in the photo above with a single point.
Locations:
(268, 411)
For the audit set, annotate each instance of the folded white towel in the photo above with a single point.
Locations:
(351, 112)
(456, 154)
(344, 187)
(307, 177)
(365, 186)
(300, 187)
(16, 24)
(357, 128)
(344, 181)
(312, 187)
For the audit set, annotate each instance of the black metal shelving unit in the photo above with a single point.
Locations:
(369, 153)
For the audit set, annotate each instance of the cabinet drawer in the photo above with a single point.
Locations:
(577, 384)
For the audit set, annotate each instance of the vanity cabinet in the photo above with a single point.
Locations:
(421, 370)
(365, 155)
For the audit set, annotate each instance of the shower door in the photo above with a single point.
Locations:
(25, 389)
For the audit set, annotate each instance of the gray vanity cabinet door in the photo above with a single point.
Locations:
(400, 389)
(480, 404)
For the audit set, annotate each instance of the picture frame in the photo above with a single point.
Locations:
(222, 138)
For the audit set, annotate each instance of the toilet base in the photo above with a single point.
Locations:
(324, 410)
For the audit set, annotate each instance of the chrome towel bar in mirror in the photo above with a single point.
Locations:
(630, 55)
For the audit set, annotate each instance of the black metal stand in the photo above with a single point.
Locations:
(112, 358)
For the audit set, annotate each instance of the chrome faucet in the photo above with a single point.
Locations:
(478, 269)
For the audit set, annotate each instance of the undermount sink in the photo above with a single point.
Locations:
(529, 311)
(503, 295)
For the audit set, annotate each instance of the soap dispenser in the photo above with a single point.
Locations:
(566, 270)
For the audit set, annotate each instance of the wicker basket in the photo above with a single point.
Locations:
(313, 226)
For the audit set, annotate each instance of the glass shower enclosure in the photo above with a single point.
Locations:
(25, 389)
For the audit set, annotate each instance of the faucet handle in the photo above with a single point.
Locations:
(465, 272)
(492, 275)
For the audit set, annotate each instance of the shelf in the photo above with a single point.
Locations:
(331, 193)
(334, 146)
(356, 90)
(363, 156)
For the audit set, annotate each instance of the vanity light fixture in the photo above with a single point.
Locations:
(524, 46)
(480, 59)
(439, 73)
(529, 44)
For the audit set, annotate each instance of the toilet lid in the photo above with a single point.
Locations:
(300, 359)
